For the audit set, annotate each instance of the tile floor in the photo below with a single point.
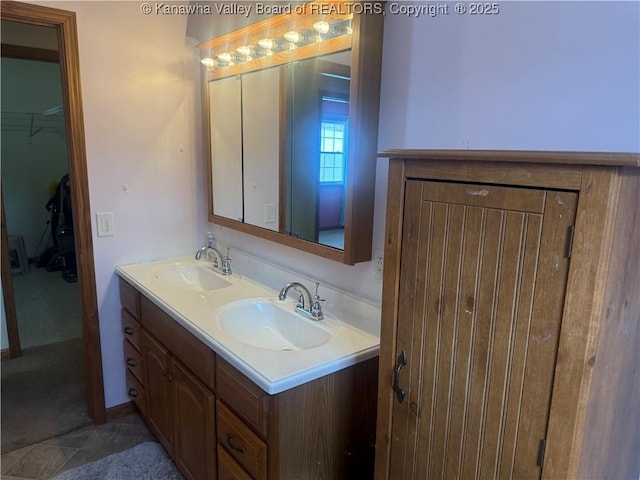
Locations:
(44, 460)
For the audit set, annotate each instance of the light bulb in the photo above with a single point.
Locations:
(244, 51)
(266, 43)
(321, 27)
(209, 62)
(293, 36)
(225, 57)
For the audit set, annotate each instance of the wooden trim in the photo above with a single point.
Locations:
(522, 174)
(301, 18)
(364, 106)
(30, 53)
(65, 23)
(333, 45)
(7, 290)
(390, 302)
(120, 411)
(277, 237)
(520, 156)
(583, 306)
(610, 443)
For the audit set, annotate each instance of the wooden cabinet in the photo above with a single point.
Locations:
(177, 402)
(321, 429)
(501, 275)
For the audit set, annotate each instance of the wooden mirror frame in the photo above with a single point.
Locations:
(366, 62)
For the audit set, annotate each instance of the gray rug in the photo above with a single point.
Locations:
(146, 461)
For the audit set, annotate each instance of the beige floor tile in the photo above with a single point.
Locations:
(41, 462)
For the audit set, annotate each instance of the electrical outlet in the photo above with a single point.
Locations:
(269, 213)
(378, 264)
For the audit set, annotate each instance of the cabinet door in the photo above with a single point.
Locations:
(482, 279)
(158, 390)
(225, 103)
(194, 431)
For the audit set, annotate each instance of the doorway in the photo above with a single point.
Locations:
(63, 22)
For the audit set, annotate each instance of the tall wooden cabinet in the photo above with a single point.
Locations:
(508, 312)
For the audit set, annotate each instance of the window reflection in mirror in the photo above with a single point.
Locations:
(316, 164)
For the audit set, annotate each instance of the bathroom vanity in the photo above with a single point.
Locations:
(225, 408)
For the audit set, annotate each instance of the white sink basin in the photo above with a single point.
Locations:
(272, 325)
(186, 277)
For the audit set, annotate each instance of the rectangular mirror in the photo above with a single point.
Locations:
(293, 132)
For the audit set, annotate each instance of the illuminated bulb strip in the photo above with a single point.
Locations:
(266, 43)
(209, 62)
(293, 36)
(321, 27)
(225, 57)
(244, 51)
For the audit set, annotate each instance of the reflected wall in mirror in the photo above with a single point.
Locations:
(293, 136)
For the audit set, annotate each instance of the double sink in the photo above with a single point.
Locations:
(260, 322)
(245, 322)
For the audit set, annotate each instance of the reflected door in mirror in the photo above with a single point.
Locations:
(225, 101)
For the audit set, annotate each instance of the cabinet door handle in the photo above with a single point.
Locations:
(128, 330)
(133, 393)
(131, 362)
(234, 445)
(400, 392)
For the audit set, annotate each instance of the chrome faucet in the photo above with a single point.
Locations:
(221, 264)
(307, 306)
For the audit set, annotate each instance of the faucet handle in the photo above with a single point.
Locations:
(316, 308)
(226, 264)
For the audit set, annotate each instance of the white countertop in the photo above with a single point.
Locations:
(273, 370)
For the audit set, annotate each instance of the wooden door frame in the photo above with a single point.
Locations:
(65, 24)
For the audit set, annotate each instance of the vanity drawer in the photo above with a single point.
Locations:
(194, 354)
(133, 360)
(130, 328)
(241, 443)
(136, 393)
(248, 400)
(130, 299)
(228, 468)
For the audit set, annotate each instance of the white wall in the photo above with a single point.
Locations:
(538, 76)
(141, 93)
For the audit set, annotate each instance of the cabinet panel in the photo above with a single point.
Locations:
(228, 468)
(194, 354)
(133, 360)
(136, 392)
(481, 300)
(158, 390)
(130, 328)
(194, 432)
(241, 443)
(245, 398)
(130, 298)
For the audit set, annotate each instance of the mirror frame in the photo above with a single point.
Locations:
(366, 65)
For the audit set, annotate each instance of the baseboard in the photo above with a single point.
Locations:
(4, 354)
(119, 411)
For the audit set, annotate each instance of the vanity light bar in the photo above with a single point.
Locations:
(290, 40)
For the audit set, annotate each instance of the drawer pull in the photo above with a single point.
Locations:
(131, 362)
(133, 393)
(128, 330)
(233, 445)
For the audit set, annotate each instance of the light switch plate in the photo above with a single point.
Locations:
(105, 224)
